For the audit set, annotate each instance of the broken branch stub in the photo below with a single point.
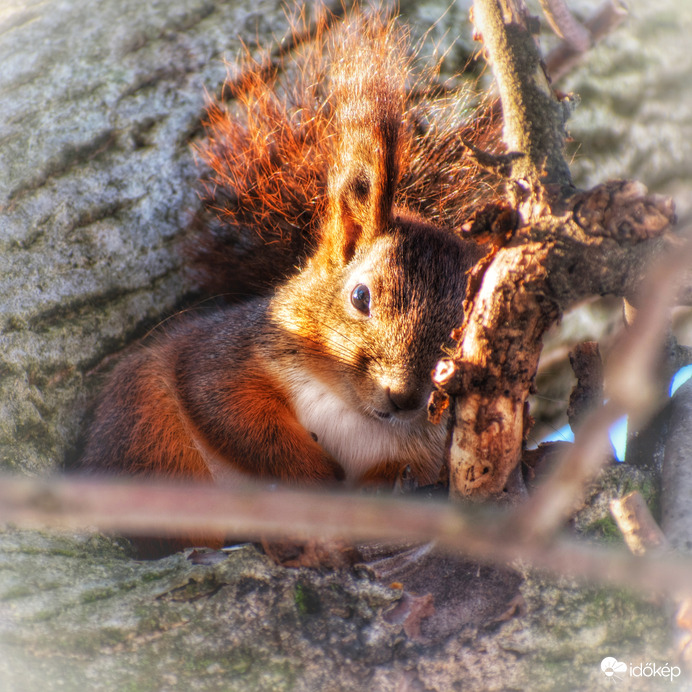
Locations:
(569, 245)
(598, 245)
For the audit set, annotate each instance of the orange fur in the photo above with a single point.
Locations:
(269, 151)
(168, 411)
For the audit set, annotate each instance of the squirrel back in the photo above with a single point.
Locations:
(328, 376)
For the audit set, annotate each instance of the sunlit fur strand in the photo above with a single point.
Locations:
(273, 146)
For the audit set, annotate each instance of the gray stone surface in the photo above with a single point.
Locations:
(77, 614)
(99, 105)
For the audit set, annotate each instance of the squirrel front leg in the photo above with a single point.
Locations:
(143, 427)
(206, 426)
(249, 423)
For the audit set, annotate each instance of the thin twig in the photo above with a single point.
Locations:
(563, 491)
(604, 21)
(566, 25)
(633, 369)
(644, 537)
(639, 529)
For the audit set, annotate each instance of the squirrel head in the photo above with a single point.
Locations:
(371, 322)
(377, 301)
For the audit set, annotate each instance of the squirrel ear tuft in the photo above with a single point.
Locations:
(364, 177)
(355, 216)
(360, 206)
(349, 230)
(368, 87)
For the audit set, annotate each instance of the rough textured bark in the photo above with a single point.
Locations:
(77, 613)
(676, 491)
(533, 116)
(100, 103)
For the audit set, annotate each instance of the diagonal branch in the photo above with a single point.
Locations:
(533, 117)
(563, 57)
(631, 389)
(565, 25)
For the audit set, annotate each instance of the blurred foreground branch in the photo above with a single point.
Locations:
(128, 506)
(578, 38)
(632, 389)
(644, 537)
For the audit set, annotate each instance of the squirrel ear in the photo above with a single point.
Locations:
(361, 189)
(368, 87)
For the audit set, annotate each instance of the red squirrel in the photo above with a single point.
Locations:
(327, 377)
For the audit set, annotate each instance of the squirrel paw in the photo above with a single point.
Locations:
(334, 553)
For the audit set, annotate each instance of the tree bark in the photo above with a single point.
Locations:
(99, 104)
(569, 245)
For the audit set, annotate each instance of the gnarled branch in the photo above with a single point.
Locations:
(569, 245)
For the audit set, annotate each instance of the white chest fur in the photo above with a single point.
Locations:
(357, 441)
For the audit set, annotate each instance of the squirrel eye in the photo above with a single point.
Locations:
(360, 298)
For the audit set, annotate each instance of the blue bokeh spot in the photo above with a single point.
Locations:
(618, 432)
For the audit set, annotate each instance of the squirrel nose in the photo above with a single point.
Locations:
(405, 399)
